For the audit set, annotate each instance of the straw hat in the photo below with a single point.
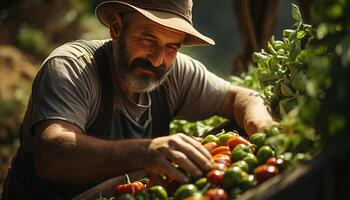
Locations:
(175, 14)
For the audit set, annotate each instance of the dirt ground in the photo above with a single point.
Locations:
(16, 75)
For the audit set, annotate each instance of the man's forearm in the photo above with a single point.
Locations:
(250, 110)
(63, 155)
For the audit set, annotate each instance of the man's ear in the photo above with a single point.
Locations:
(115, 26)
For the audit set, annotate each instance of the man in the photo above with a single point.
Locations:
(96, 105)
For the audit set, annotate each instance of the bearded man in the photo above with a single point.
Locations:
(101, 109)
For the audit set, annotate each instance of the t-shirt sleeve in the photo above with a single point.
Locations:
(60, 92)
(194, 93)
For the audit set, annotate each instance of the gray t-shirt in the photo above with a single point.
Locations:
(67, 87)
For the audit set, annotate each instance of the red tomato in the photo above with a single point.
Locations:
(215, 176)
(222, 158)
(216, 194)
(278, 162)
(264, 172)
(219, 149)
(130, 188)
(235, 140)
(150, 183)
(219, 166)
(210, 146)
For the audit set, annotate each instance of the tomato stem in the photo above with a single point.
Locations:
(127, 179)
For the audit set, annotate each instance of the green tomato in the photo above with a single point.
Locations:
(126, 197)
(200, 183)
(224, 138)
(248, 182)
(258, 139)
(252, 161)
(158, 192)
(233, 176)
(272, 132)
(241, 164)
(210, 138)
(240, 151)
(234, 193)
(185, 191)
(142, 195)
(264, 153)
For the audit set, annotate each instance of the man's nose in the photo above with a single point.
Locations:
(157, 57)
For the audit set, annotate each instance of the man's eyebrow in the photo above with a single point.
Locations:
(148, 34)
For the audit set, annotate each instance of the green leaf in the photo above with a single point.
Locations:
(296, 13)
(259, 57)
(286, 90)
(301, 34)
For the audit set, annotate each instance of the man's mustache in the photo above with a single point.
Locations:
(147, 65)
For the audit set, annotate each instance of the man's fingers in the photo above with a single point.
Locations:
(185, 163)
(198, 146)
(194, 154)
(171, 171)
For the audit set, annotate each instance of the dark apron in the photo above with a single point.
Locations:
(22, 181)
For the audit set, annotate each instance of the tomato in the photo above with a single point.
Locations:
(222, 158)
(223, 139)
(216, 194)
(251, 160)
(200, 183)
(221, 149)
(130, 188)
(272, 132)
(236, 140)
(241, 164)
(233, 176)
(150, 183)
(142, 195)
(184, 191)
(210, 145)
(264, 153)
(158, 192)
(248, 182)
(277, 162)
(240, 151)
(196, 196)
(210, 138)
(215, 176)
(219, 166)
(126, 197)
(258, 139)
(172, 185)
(264, 172)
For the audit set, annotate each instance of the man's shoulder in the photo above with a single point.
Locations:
(77, 49)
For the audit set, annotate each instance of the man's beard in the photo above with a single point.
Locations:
(128, 73)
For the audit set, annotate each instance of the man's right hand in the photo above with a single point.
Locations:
(180, 149)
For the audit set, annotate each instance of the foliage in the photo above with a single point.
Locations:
(282, 71)
(333, 34)
(197, 128)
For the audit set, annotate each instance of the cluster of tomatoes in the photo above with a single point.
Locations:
(239, 164)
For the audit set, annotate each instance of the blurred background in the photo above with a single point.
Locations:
(30, 30)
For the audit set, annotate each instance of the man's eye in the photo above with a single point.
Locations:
(148, 41)
(171, 49)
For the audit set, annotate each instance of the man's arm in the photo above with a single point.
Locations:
(63, 153)
(250, 111)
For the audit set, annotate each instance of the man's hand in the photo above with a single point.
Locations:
(248, 108)
(180, 149)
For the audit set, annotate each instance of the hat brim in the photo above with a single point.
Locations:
(167, 19)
